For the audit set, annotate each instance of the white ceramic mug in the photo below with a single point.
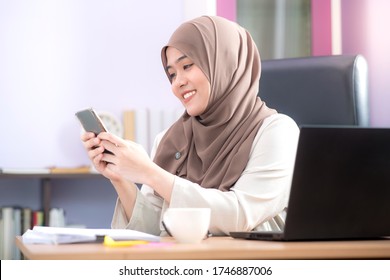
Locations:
(187, 225)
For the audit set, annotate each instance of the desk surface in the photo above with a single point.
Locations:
(214, 248)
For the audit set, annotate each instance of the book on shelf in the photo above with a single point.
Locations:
(57, 217)
(17, 231)
(6, 233)
(129, 125)
(15, 220)
(10, 226)
(66, 235)
(142, 125)
(26, 219)
(37, 218)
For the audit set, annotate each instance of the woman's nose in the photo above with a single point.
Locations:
(180, 80)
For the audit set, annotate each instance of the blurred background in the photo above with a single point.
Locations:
(60, 56)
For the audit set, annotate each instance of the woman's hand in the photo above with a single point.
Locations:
(128, 159)
(95, 152)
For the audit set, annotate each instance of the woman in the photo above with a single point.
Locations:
(228, 152)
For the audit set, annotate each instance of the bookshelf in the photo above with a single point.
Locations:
(49, 187)
(46, 180)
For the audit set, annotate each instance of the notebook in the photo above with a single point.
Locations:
(340, 186)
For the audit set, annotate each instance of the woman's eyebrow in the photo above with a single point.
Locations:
(176, 61)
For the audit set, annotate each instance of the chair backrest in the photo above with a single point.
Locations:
(324, 90)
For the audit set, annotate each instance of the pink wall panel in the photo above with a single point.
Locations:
(227, 9)
(364, 31)
(321, 27)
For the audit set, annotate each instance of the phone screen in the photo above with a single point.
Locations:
(90, 121)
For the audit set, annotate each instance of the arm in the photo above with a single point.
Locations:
(263, 188)
(130, 162)
(260, 194)
(146, 210)
(133, 210)
(125, 189)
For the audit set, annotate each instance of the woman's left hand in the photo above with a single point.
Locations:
(129, 159)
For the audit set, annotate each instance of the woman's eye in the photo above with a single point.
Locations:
(171, 75)
(187, 66)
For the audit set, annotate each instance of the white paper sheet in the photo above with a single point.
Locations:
(64, 235)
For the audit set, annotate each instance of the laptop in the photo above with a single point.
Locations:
(340, 187)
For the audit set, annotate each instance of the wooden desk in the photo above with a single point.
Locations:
(215, 248)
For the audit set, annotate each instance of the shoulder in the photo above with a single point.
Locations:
(159, 136)
(280, 118)
(278, 133)
(279, 123)
(274, 145)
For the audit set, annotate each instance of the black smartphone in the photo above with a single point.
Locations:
(90, 121)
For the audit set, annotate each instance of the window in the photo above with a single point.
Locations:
(280, 28)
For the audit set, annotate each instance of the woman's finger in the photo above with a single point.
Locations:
(117, 141)
(86, 136)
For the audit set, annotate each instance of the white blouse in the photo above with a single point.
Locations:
(256, 201)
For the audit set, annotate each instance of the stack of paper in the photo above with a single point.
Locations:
(63, 235)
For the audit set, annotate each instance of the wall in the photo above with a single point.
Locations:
(57, 57)
(364, 30)
(60, 56)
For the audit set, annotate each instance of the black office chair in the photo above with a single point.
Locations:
(324, 90)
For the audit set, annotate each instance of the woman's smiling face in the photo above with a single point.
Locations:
(189, 84)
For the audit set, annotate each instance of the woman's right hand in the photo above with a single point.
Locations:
(94, 150)
(95, 153)
(126, 190)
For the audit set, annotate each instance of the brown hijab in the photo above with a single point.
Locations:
(213, 149)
